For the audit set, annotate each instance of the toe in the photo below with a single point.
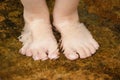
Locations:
(94, 44)
(28, 53)
(35, 55)
(91, 48)
(81, 52)
(87, 51)
(53, 51)
(70, 54)
(53, 54)
(23, 50)
(42, 55)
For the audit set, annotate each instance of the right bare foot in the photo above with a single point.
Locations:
(38, 41)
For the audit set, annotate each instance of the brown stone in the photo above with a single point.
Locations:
(2, 18)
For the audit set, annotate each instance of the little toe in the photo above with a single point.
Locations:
(22, 51)
(42, 55)
(95, 44)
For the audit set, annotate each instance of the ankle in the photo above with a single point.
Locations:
(31, 17)
(60, 18)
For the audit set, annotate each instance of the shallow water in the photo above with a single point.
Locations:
(102, 18)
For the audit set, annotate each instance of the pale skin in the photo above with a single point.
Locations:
(38, 39)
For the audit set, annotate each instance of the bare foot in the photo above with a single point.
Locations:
(77, 41)
(38, 41)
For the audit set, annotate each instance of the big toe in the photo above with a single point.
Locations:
(71, 55)
(53, 55)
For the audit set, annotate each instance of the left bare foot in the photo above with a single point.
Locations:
(76, 40)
